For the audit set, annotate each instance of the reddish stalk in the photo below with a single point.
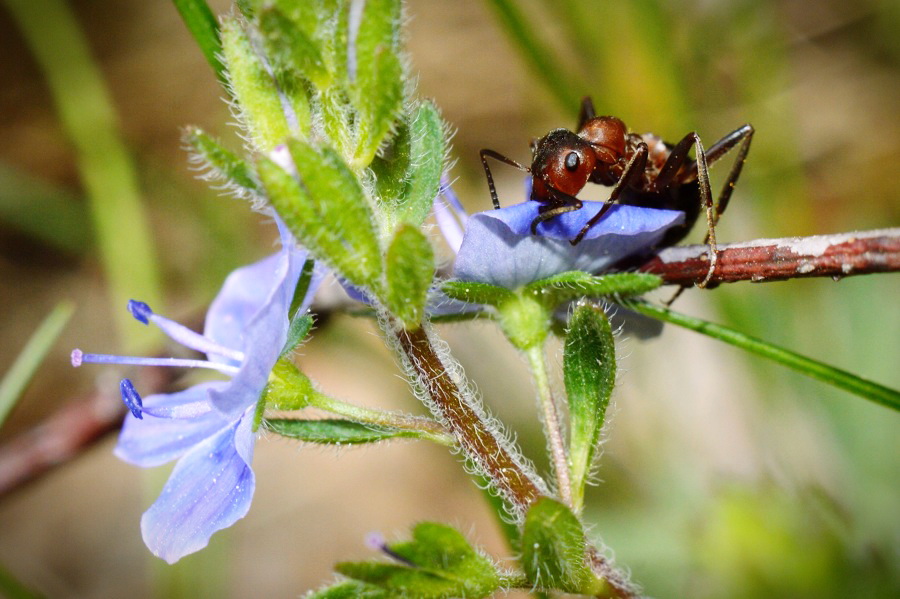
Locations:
(837, 256)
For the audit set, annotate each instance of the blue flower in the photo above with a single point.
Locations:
(208, 428)
(497, 246)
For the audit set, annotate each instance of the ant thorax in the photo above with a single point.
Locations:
(658, 152)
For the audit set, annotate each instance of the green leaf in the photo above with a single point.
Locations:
(392, 169)
(300, 326)
(575, 284)
(377, 90)
(350, 590)
(589, 371)
(423, 181)
(477, 293)
(253, 87)
(409, 271)
(298, 211)
(246, 7)
(342, 205)
(302, 288)
(553, 550)
(32, 356)
(205, 31)
(288, 389)
(333, 28)
(437, 563)
(336, 431)
(312, 227)
(811, 368)
(289, 48)
(407, 187)
(224, 163)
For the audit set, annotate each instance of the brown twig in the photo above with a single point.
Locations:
(58, 439)
(68, 433)
(837, 256)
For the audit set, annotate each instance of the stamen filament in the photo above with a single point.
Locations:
(181, 334)
(79, 357)
(193, 340)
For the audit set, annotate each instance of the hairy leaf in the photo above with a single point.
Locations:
(409, 271)
(553, 550)
(589, 369)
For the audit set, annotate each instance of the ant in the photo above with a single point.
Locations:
(643, 170)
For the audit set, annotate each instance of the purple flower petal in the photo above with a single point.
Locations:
(241, 297)
(249, 289)
(154, 441)
(498, 247)
(210, 489)
(264, 333)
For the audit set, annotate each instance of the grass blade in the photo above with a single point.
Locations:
(811, 368)
(31, 357)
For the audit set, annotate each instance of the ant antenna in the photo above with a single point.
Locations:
(485, 154)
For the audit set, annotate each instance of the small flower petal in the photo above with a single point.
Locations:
(265, 286)
(243, 294)
(498, 247)
(154, 441)
(210, 489)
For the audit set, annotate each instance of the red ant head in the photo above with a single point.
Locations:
(562, 161)
(606, 134)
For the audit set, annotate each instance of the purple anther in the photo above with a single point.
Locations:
(132, 398)
(140, 311)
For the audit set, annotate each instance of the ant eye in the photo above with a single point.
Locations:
(572, 161)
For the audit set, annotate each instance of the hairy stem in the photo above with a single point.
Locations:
(436, 378)
(551, 423)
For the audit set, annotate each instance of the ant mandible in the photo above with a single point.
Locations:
(642, 170)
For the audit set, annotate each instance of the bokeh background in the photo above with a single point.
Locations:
(722, 475)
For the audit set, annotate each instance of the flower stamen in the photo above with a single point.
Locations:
(180, 333)
(79, 357)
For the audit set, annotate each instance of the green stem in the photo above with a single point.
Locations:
(289, 389)
(552, 429)
(812, 368)
(106, 170)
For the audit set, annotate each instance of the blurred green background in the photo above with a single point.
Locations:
(722, 475)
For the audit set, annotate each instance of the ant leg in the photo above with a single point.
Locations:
(546, 212)
(485, 154)
(630, 176)
(678, 157)
(587, 111)
(666, 176)
(744, 135)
